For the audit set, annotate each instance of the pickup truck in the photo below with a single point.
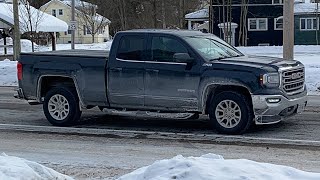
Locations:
(165, 71)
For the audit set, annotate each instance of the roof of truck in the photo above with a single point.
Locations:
(177, 32)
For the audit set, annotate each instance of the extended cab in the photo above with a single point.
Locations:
(165, 71)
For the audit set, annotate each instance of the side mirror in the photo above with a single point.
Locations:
(183, 58)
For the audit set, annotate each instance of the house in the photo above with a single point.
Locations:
(307, 23)
(257, 22)
(32, 21)
(91, 27)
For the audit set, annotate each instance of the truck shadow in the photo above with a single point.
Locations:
(201, 125)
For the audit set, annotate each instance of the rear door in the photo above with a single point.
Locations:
(126, 72)
(168, 84)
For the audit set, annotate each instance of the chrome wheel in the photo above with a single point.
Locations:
(228, 114)
(58, 107)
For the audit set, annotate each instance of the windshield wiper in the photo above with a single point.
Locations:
(220, 58)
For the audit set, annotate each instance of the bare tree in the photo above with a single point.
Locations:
(94, 22)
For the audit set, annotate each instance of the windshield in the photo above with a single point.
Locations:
(212, 47)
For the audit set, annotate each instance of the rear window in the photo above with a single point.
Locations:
(131, 48)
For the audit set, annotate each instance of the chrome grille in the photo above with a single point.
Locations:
(293, 80)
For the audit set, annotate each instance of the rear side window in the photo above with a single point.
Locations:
(164, 48)
(131, 48)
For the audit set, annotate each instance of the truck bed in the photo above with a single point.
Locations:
(73, 53)
(85, 67)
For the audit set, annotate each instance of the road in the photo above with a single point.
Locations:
(106, 146)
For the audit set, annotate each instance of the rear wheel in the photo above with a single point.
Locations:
(231, 113)
(61, 107)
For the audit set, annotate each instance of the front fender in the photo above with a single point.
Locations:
(209, 84)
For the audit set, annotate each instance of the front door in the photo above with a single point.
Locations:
(126, 73)
(169, 85)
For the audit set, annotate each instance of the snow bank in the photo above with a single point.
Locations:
(214, 167)
(26, 46)
(8, 73)
(14, 168)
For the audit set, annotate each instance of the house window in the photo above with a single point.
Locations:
(54, 12)
(258, 24)
(60, 12)
(84, 30)
(277, 1)
(88, 30)
(101, 30)
(278, 23)
(308, 24)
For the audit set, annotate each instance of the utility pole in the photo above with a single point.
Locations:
(211, 17)
(317, 20)
(288, 29)
(73, 19)
(16, 31)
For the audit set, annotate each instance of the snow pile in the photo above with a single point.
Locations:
(14, 168)
(26, 46)
(8, 73)
(214, 167)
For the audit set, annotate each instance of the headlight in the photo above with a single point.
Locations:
(270, 80)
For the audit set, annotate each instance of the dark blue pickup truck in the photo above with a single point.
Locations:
(169, 71)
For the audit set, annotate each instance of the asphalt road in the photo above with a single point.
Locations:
(107, 157)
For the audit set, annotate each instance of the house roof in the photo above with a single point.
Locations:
(305, 8)
(300, 7)
(78, 4)
(200, 14)
(41, 22)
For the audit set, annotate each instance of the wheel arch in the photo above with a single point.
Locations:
(213, 89)
(46, 82)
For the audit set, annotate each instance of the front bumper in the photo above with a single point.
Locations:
(268, 111)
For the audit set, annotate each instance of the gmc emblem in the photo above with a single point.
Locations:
(297, 75)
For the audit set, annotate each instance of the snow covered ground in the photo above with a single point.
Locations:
(14, 168)
(213, 167)
(308, 55)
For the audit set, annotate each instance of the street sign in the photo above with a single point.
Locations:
(73, 25)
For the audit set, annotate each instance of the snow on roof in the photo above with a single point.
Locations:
(41, 22)
(201, 14)
(305, 8)
(211, 167)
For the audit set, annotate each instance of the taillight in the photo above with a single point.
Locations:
(19, 71)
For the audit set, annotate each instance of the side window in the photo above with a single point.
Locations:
(164, 48)
(131, 48)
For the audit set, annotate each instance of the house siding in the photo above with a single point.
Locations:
(305, 37)
(271, 36)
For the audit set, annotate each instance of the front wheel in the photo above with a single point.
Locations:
(61, 107)
(231, 113)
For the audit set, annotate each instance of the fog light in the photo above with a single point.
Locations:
(273, 100)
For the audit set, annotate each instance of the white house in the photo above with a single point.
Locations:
(90, 27)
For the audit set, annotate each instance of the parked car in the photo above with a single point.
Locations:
(165, 71)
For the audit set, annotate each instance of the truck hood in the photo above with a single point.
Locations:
(261, 62)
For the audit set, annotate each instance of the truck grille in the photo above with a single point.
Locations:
(293, 80)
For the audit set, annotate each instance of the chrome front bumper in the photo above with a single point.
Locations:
(268, 111)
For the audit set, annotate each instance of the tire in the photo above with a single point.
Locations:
(61, 107)
(231, 113)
